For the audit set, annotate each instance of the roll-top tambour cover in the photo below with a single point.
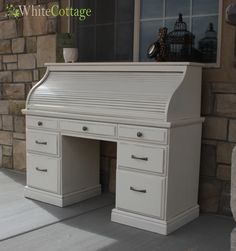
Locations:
(150, 93)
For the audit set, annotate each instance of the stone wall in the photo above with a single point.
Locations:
(25, 45)
(219, 129)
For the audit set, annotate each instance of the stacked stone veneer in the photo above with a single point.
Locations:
(219, 138)
(219, 128)
(25, 45)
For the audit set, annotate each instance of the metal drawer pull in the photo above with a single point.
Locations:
(139, 135)
(138, 190)
(40, 123)
(139, 158)
(40, 143)
(41, 170)
(85, 128)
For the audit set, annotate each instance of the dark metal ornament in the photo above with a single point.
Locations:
(164, 49)
(178, 45)
(181, 42)
(208, 45)
(159, 49)
(153, 50)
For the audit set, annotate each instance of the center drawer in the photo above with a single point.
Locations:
(42, 142)
(143, 157)
(87, 128)
(141, 193)
(43, 172)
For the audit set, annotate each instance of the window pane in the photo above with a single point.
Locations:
(86, 44)
(173, 8)
(205, 6)
(105, 43)
(110, 30)
(151, 9)
(86, 4)
(125, 10)
(105, 11)
(149, 34)
(124, 43)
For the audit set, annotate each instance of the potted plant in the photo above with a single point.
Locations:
(70, 51)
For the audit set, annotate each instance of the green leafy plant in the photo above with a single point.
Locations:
(13, 11)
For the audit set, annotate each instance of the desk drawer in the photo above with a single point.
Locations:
(141, 193)
(43, 172)
(143, 157)
(143, 133)
(85, 127)
(41, 123)
(42, 142)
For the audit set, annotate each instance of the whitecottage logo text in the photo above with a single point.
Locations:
(38, 10)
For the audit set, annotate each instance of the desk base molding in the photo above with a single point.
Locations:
(61, 201)
(152, 224)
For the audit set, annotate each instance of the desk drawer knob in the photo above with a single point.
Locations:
(139, 135)
(40, 143)
(138, 190)
(85, 128)
(41, 170)
(139, 158)
(40, 123)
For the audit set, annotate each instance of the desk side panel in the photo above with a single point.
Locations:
(183, 170)
(186, 101)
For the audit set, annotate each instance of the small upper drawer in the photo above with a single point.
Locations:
(40, 122)
(143, 133)
(145, 158)
(42, 142)
(86, 128)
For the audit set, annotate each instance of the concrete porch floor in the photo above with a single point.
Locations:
(93, 230)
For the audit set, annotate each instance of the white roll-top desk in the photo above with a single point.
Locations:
(152, 111)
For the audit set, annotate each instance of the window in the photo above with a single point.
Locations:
(108, 34)
(122, 30)
(201, 16)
